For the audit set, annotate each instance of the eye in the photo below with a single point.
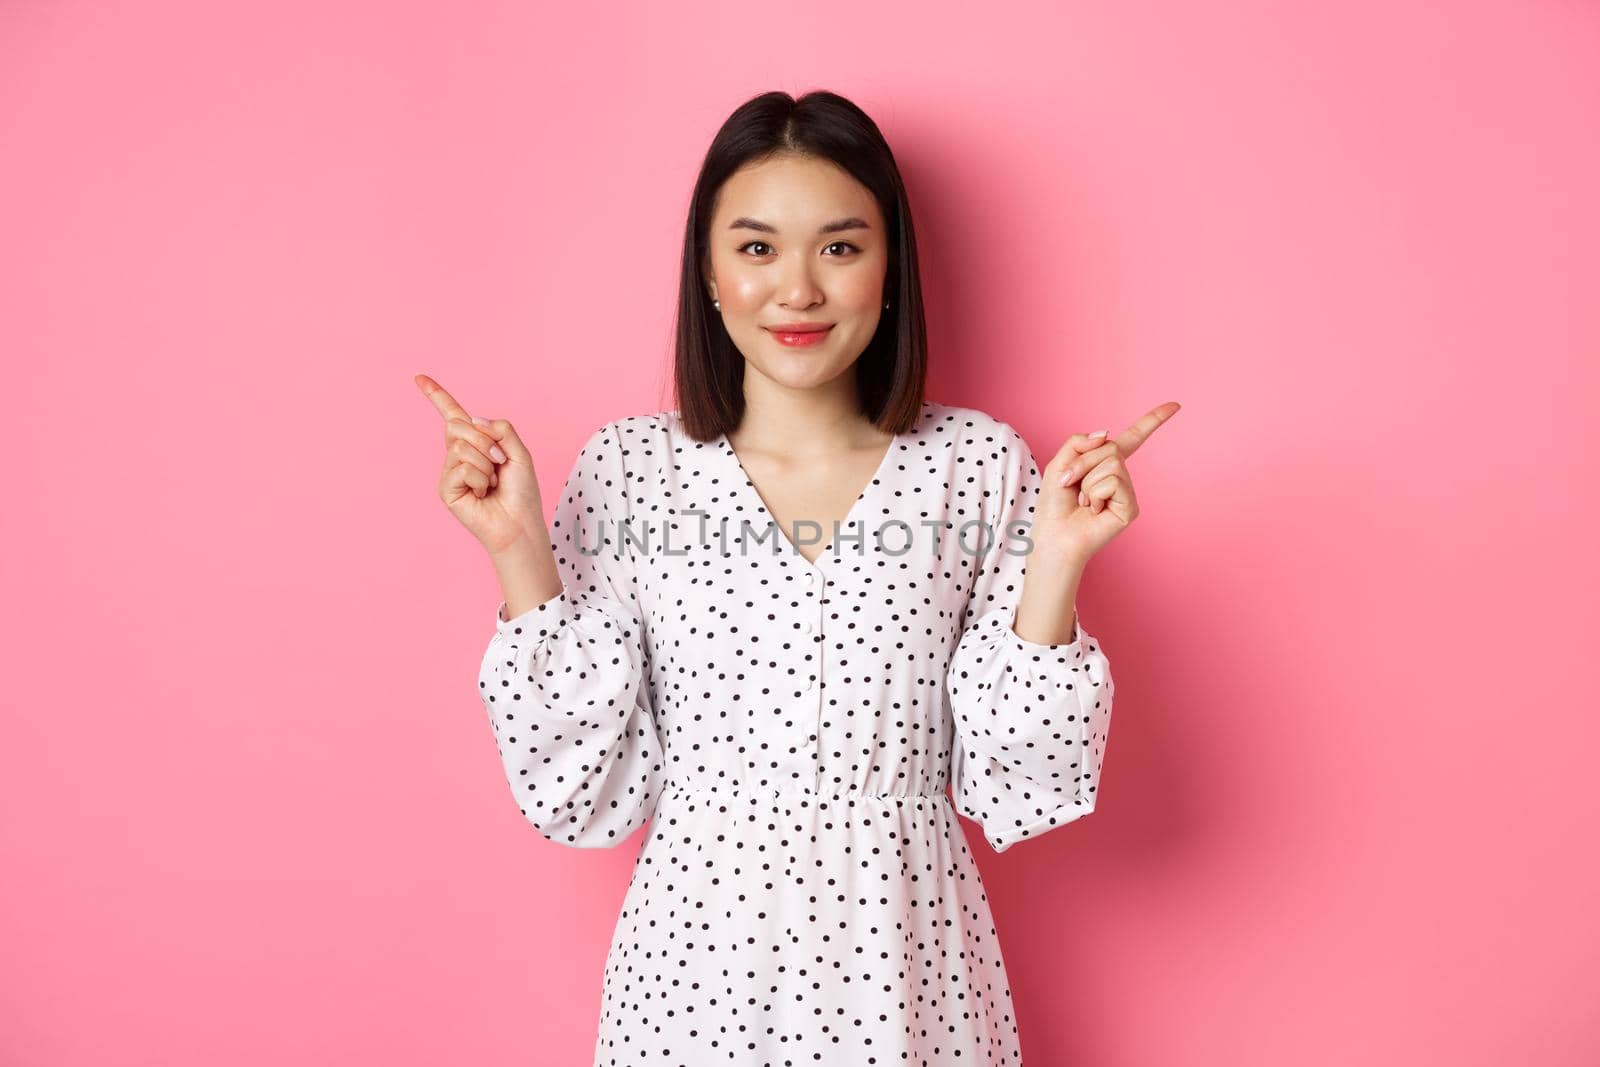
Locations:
(832, 244)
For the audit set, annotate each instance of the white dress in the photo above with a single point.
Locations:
(788, 729)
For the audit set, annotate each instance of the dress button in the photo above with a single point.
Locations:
(805, 627)
(811, 683)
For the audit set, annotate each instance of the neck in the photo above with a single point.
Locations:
(815, 421)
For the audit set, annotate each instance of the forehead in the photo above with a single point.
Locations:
(794, 191)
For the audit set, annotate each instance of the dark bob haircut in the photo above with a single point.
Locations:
(890, 373)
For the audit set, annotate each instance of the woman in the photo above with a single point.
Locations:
(788, 708)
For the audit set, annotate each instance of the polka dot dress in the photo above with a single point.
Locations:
(789, 730)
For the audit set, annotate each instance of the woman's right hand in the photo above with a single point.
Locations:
(488, 480)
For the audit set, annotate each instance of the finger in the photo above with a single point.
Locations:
(502, 431)
(473, 478)
(1130, 439)
(460, 451)
(1072, 446)
(1117, 489)
(469, 432)
(1101, 492)
(442, 401)
(457, 479)
(1111, 465)
(1076, 468)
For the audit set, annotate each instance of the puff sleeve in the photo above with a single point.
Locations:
(1030, 720)
(564, 683)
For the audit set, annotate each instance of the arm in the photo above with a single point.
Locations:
(1030, 713)
(564, 679)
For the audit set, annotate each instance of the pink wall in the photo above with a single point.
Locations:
(253, 809)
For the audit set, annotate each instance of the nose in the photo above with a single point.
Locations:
(797, 288)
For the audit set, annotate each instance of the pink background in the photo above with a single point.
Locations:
(254, 813)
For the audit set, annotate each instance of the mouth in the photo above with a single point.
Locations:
(800, 334)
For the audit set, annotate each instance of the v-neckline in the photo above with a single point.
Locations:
(760, 504)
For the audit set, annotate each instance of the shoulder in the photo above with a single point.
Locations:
(635, 447)
(990, 453)
(971, 430)
(628, 433)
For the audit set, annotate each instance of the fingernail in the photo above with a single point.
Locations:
(480, 420)
(1099, 433)
(1083, 499)
(496, 454)
(1066, 480)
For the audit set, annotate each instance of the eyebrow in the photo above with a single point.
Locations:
(852, 223)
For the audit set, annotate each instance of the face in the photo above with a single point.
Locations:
(797, 240)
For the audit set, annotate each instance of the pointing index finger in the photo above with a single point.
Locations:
(443, 401)
(1130, 439)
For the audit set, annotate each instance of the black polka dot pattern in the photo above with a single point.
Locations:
(798, 736)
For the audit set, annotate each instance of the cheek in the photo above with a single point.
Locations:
(858, 290)
(739, 289)
(747, 290)
(736, 286)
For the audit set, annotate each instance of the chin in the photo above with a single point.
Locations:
(796, 373)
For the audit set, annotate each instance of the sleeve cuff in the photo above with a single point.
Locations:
(1066, 654)
(540, 621)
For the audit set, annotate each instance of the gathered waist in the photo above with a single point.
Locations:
(799, 793)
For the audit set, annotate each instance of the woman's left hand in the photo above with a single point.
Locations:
(1086, 497)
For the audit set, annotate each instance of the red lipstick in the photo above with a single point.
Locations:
(800, 334)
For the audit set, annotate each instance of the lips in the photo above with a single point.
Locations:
(797, 334)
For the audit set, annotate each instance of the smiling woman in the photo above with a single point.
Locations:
(826, 290)
(799, 218)
(798, 720)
